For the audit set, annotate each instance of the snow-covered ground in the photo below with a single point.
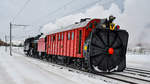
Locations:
(19, 69)
(141, 61)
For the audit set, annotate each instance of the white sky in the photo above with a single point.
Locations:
(39, 12)
(132, 15)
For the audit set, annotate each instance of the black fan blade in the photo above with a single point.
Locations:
(117, 44)
(117, 57)
(113, 38)
(96, 42)
(102, 37)
(111, 63)
(108, 38)
(99, 42)
(97, 59)
(103, 64)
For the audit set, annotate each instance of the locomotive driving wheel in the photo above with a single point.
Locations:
(106, 50)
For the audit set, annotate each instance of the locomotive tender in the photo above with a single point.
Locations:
(91, 44)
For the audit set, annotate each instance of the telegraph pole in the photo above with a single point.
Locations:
(11, 35)
(10, 44)
(6, 43)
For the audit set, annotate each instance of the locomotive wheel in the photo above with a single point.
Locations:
(106, 50)
(40, 55)
(47, 57)
(31, 52)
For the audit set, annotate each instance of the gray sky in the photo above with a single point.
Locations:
(33, 10)
(39, 12)
(132, 15)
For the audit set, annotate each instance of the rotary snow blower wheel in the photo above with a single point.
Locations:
(106, 50)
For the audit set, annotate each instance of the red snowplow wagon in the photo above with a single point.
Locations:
(41, 45)
(98, 44)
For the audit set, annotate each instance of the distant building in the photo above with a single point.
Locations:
(2, 43)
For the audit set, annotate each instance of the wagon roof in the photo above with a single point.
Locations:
(72, 26)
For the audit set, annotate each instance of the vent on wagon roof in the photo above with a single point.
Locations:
(76, 22)
(82, 20)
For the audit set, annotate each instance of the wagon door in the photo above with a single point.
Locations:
(79, 43)
(72, 44)
(65, 44)
(62, 44)
(58, 46)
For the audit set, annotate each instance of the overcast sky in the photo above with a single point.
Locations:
(132, 15)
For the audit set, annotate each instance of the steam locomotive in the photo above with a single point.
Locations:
(91, 44)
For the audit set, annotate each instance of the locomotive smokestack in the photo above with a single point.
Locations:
(76, 22)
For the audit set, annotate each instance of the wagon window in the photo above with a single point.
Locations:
(62, 36)
(54, 38)
(87, 27)
(51, 38)
(90, 25)
(59, 37)
(80, 37)
(68, 35)
(46, 38)
(95, 23)
(72, 35)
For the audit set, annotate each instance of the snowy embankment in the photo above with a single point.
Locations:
(141, 61)
(18, 69)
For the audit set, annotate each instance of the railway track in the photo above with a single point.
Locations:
(121, 77)
(128, 79)
(140, 72)
(116, 78)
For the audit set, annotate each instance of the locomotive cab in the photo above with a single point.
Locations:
(30, 45)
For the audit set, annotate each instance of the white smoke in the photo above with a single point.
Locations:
(134, 18)
(96, 11)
